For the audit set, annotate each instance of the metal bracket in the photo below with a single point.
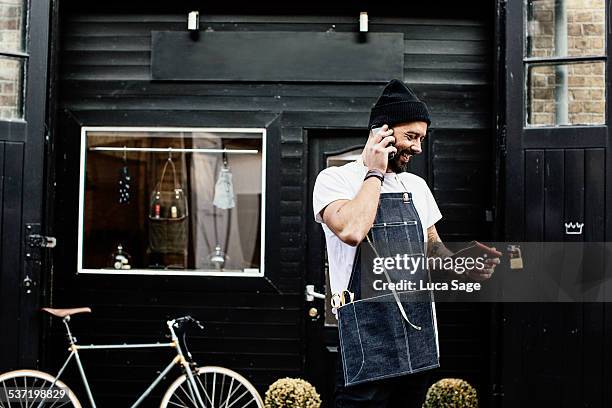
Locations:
(34, 242)
(34, 245)
(41, 241)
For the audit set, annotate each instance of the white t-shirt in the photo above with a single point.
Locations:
(343, 183)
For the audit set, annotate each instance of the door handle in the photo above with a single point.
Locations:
(311, 294)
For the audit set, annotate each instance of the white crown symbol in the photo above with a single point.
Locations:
(573, 228)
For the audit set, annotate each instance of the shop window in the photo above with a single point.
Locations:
(172, 201)
(12, 58)
(565, 62)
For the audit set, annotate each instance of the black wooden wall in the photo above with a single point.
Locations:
(104, 78)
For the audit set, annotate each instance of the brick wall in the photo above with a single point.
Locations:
(585, 81)
(11, 72)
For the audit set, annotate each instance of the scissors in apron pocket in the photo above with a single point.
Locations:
(342, 298)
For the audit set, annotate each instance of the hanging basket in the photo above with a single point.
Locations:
(168, 217)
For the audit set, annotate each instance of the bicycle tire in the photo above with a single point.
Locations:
(178, 395)
(21, 379)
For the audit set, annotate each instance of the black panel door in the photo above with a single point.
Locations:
(557, 186)
(324, 148)
(22, 160)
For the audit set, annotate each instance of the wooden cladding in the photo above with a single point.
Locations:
(564, 186)
(277, 56)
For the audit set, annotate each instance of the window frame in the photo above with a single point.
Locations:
(528, 62)
(24, 58)
(246, 273)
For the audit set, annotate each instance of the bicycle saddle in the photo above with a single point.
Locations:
(66, 312)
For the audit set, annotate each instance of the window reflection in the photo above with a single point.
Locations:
(559, 28)
(12, 25)
(11, 83)
(567, 94)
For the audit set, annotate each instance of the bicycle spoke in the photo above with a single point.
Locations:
(35, 393)
(6, 394)
(174, 403)
(33, 388)
(59, 406)
(233, 392)
(204, 388)
(188, 396)
(25, 387)
(179, 398)
(221, 391)
(238, 399)
(229, 393)
(218, 387)
(181, 401)
(17, 387)
(213, 391)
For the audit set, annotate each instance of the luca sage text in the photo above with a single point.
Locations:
(405, 285)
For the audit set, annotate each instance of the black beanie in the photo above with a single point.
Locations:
(398, 104)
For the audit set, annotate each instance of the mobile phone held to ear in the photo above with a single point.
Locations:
(376, 130)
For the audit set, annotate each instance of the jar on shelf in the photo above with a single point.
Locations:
(120, 259)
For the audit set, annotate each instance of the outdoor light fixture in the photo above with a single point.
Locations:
(363, 22)
(193, 21)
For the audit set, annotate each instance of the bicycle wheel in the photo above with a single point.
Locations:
(32, 388)
(219, 388)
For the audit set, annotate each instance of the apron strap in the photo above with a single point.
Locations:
(356, 261)
(395, 295)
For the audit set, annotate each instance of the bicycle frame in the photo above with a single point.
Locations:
(178, 360)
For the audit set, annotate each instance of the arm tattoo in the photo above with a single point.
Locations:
(435, 247)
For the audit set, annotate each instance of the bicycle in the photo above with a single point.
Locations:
(199, 387)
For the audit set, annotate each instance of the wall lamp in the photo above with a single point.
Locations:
(363, 22)
(193, 21)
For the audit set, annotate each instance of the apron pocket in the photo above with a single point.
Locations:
(421, 343)
(374, 340)
(353, 358)
(394, 238)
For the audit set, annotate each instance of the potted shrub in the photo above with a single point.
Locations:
(451, 393)
(292, 393)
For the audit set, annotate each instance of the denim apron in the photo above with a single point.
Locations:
(392, 334)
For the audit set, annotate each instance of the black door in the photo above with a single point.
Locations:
(558, 188)
(325, 148)
(22, 161)
(466, 330)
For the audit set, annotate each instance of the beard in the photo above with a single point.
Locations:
(396, 165)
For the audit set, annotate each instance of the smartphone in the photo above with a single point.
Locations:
(376, 130)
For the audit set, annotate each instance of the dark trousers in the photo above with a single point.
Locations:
(407, 391)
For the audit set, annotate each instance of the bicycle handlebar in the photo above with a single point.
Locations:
(185, 319)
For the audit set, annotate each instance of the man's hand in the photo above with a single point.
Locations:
(377, 149)
(491, 261)
(436, 249)
(351, 220)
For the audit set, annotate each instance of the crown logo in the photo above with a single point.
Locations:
(574, 228)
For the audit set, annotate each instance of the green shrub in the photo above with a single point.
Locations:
(451, 393)
(292, 393)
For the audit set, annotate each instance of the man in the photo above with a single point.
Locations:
(347, 201)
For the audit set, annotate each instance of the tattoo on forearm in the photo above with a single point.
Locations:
(435, 247)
